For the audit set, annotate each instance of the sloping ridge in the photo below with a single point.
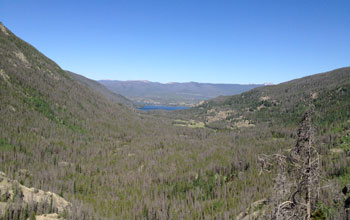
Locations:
(283, 102)
(48, 118)
(33, 86)
(296, 87)
(98, 87)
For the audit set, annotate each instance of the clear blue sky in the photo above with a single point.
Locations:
(186, 40)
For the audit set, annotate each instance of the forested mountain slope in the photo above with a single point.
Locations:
(283, 103)
(109, 162)
(61, 136)
(48, 118)
(278, 109)
(101, 89)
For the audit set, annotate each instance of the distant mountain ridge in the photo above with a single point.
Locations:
(173, 93)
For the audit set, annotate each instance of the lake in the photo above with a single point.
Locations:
(159, 107)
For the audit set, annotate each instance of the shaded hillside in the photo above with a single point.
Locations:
(101, 89)
(173, 93)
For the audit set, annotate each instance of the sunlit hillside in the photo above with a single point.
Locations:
(82, 154)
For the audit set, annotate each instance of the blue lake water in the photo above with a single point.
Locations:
(159, 107)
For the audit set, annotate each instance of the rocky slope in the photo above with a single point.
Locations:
(15, 198)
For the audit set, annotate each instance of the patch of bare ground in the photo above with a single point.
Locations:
(3, 29)
(22, 58)
(244, 124)
(53, 216)
(218, 116)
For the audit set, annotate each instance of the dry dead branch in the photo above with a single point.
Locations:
(297, 180)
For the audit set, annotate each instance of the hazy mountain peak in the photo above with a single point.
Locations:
(142, 81)
(174, 93)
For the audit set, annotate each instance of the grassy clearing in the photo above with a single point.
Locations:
(190, 124)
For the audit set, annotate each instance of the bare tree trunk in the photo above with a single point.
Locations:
(301, 170)
(309, 167)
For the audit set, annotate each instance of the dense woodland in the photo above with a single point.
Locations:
(114, 162)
